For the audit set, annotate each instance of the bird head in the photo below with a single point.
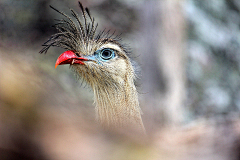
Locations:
(98, 59)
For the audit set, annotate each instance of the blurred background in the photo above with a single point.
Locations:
(189, 85)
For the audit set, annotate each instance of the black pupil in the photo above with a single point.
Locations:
(106, 54)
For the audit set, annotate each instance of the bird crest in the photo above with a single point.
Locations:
(73, 34)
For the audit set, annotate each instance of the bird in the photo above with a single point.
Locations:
(104, 64)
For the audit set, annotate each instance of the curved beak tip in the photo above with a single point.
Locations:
(65, 58)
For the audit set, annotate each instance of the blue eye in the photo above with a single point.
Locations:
(106, 54)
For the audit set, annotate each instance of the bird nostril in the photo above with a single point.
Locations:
(77, 54)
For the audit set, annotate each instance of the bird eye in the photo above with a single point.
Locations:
(106, 54)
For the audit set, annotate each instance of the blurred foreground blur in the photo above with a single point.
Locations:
(189, 94)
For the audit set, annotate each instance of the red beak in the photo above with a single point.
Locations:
(69, 57)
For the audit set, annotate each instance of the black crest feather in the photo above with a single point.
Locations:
(71, 34)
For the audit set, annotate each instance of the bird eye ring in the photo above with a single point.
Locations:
(106, 54)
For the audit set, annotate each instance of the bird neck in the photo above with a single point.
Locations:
(119, 107)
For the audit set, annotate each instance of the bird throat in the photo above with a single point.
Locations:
(118, 108)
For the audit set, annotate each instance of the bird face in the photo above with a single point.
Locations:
(100, 64)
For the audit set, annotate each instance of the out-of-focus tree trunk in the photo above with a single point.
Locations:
(172, 58)
(163, 58)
